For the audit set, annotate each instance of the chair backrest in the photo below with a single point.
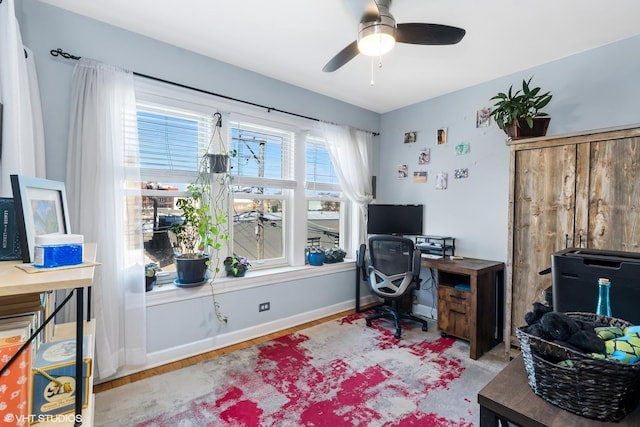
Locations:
(391, 254)
(391, 265)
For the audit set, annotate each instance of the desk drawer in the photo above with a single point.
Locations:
(453, 311)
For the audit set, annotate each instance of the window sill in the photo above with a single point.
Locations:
(168, 293)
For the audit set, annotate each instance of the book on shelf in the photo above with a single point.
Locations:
(20, 304)
(10, 245)
(15, 383)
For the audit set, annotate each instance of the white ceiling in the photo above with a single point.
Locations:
(291, 40)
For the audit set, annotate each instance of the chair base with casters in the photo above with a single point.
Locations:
(393, 312)
(394, 272)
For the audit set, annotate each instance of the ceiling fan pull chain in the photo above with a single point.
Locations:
(372, 82)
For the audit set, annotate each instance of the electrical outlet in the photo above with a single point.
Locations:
(264, 306)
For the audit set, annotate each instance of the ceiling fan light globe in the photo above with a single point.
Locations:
(378, 37)
(376, 44)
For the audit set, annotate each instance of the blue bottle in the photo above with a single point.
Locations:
(604, 306)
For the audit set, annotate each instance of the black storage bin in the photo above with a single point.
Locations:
(575, 273)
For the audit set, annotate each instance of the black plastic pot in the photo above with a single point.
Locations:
(191, 271)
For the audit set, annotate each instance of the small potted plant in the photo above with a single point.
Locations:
(519, 114)
(150, 271)
(236, 266)
(334, 255)
(316, 255)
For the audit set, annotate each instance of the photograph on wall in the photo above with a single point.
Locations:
(420, 177)
(424, 156)
(462, 149)
(442, 136)
(410, 137)
(461, 173)
(483, 117)
(403, 171)
(441, 180)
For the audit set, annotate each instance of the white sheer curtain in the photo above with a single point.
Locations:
(350, 153)
(22, 130)
(104, 205)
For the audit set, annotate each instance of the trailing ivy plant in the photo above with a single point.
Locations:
(205, 228)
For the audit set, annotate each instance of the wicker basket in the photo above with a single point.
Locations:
(594, 388)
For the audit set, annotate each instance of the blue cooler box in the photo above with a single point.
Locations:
(53, 377)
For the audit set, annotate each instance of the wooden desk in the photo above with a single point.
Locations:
(509, 397)
(476, 315)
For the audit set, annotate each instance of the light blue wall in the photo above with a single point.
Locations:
(592, 90)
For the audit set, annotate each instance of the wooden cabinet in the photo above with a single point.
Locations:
(476, 314)
(570, 191)
(454, 308)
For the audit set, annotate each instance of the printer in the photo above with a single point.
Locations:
(575, 273)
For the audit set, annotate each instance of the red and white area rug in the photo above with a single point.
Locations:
(340, 373)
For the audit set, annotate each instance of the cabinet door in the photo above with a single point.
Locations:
(543, 200)
(454, 311)
(614, 195)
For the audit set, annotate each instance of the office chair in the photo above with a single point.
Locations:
(394, 271)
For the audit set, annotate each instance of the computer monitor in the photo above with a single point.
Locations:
(395, 219)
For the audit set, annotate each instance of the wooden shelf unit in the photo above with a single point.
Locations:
(476, 315)
(14, 281)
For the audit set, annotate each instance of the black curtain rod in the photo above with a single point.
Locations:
(60, 52)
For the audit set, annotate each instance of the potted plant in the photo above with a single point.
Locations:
(334, 255)
(519, 114)
(191, 237)
(316, 255)
(198, 240)
(150, 271)
(236, 266)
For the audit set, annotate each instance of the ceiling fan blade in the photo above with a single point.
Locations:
(344, 56)
(428, 34)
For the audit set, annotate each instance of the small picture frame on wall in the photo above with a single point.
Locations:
(483, 117)
(403, 171)
(442, 179)
(41, 208)
(442, 136)
(410, 137)
(424, 156)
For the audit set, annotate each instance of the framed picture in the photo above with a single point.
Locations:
(41, 208)
(442, 136)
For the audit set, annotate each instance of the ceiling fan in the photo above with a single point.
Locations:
(378, 33)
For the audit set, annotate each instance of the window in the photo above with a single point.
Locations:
(171, 144)
(324, 202)
(263, 184)
(284, 194)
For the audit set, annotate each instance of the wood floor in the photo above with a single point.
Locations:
(97, 388)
